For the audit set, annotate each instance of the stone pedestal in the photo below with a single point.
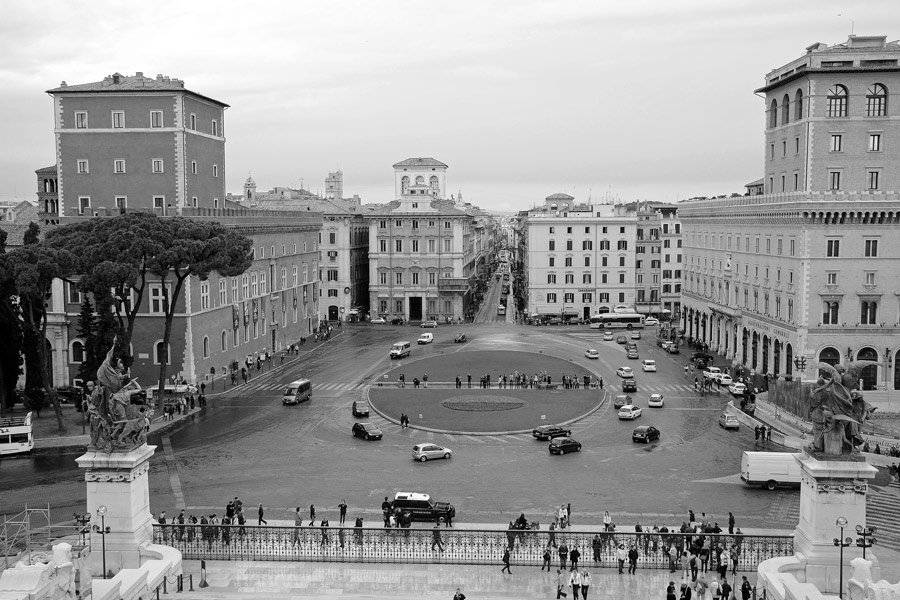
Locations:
(118, 481)
(831, 489)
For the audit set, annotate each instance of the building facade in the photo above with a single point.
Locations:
(580, 259)
(809, 271)
(658, 257)
(137, 142)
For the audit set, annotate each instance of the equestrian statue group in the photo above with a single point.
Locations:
(116, 423)
(838, 411)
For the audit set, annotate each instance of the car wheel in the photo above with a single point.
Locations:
(770, 485)
(368, 437)
(423, 458)
(446, 455)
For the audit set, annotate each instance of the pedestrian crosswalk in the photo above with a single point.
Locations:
(275, 386)
(881, 512)
(663, 388)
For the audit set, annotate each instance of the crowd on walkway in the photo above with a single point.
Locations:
(517, 380)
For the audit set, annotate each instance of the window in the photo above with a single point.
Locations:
(432, 278)
(159, 202)
(552, 245)
(622, 245)
(796, 145)
(874, 142)
(837, 142)
(869, 278)
(215, 170)
(398, 245)
(193, 167)
(160, 353)
(568, 244)
(872, 180)
(796, 182)
(868, 312)
(415, 245)
(871, 248)
(876, 100)
(156, 119)
(622, 261)
(586, 278)
(446, 245)
(415, 278)
(773, 114)
(398, 278)
(332, 293)
(121, 201)
(568, 261)
(118, 119)
(382, 278)
(830, 312)
(552, 261)
(834, 180)
(84, 204)
(119, 165)
(785, 110)
(551, 298)
(193, 122)
(204, 295)
(570, 278)
(382, 245)
(81, 120)
(833, 248)
(77, 352)
(215, 127)
(73, 296)
(158, 299)
(798, 106)
(621, 277)
(551, 278)
(83, 166)
(156, 165)
(587, 245)
(223, 292)
(332, 274)
(837, 101)
(587, 261)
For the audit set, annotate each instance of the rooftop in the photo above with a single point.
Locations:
(117, 83)
(420, 162)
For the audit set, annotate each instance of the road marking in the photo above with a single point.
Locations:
(174, 479)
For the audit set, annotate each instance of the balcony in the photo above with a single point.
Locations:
(453, 284)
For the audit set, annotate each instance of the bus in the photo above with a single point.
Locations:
(617, 320)
(15, 435)
(501, 310)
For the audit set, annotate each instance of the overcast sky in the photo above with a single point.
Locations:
(610, 99)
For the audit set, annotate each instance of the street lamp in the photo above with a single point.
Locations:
(102, 529)
(800, 363)
(81, 522)
(865, 532)
(841, 543)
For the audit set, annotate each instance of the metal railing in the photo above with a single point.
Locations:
(456, 546)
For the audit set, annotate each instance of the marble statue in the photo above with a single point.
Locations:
(837, 409)
(861, 587)
(115, 423)
(50, 580)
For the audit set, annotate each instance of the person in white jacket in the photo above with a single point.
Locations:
(621, 555)
(575, 583)
(585, 584)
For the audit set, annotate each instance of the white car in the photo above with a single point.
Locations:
(423, 452)
(737, 389)
(655, 401)
(649, 366)
(629, 412)
(592, 353)
(608, 336)
(378, 321)
(712, 373)
(651, 321)
(724, 379)
(425, 338)
(625, 372)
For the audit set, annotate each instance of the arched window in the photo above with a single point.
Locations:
(868, 377)
(837, 101)
(435, 184)
(420, 180)
(160, 354)
(77, 354)
(773, 114)
(404, 184)
(868, 312)
(876, 100)
(798, 105)
(785, 110)
(832, 356)
(224, 341)
(205, 347)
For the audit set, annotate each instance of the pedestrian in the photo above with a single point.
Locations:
(756, 431)
(685, 591)
(561, 582)
(673, 558)
(506, 561)
(685, 565)
(551, 541)
(575, 583)
(621, 555)
(298, 523)
(324, 528)
(458, 382)
(260, 520)
(746, 588)
(715, 590)
(437, 541)
(569, 514)
(632, 560)
(730, 524)
(425, 380)
(459, 595)
(563, 552)
(596, 546)
(769, 434)
(547, 556)
(700, 586)
(343, 511)
(585, 583)
(724, 560)
(469, 379)
(607, 521)
(312, 514)
(670, 591)
(726, 588)
(574, 555)
(601, 383)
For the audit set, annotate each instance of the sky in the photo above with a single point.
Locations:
(606, 100)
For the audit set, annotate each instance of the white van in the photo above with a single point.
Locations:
(770, 469)
(400, 349)
(297, 392)
(425, 338)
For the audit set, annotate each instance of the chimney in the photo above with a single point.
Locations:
(139, 74)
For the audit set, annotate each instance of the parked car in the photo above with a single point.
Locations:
(563, 445)
(608, 336)
(645, 434)
(397, 321)
(655, 401)
(724, 379)
(629, 412)
(633, 354)
(629, 385)
(460, 338)
(367, 431)
(625, 372)
(635, 335)
(592, 353)
(727, 421)
(701, 356)
(621, 339)
(651, 321)
(425, 338)
(737, 389)
(573, 321)
(672, 348)
(428, 324)
(423, 452)
(548, 432)
(712, 373)
(422, 508)
(553, 321)
(378, 321)
(648, 365)
(621, 400)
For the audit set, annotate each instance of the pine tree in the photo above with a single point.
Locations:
(87, 331)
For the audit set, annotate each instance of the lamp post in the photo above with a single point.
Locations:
(81, 522)
(841, 543)
(102, 529)
(867, 537)
(800, 363)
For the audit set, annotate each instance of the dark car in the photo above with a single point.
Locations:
(360, 408)
(563, 445)
(621, 339)
(367, 431)
(553, 321)
(645, 434)
(632, 354)
(621, 400)
(573, 321)
(629, 385)
(548, 432)
(397, 321)
(695, 356)
(672, 349)
(421, 507)
(460, 338)
(70, 393)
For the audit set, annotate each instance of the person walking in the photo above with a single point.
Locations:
(312, 514)
(575, 583)
(551, 541)
(685, 565)
(585, 583)
(726, 589)
(386, 512)
(621, 555)
(730, 524)
(715, 590)
(561, 581)
(670, 591)
(298, 523)
(700, 586)
(342, 507)
(574, 555)
(260, 512)
(436, 538)
(632, 560)
(746, 588)
(425, 380)
(506, 561)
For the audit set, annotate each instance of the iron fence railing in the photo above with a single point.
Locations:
(459, 546)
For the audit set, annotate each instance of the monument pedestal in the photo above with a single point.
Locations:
(119, 482)
(831, 489)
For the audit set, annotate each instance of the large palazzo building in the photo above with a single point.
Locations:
(810, 269)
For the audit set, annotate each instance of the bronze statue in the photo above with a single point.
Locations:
(115, 423)
(837, 409)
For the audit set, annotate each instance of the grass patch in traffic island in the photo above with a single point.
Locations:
(482, 403)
